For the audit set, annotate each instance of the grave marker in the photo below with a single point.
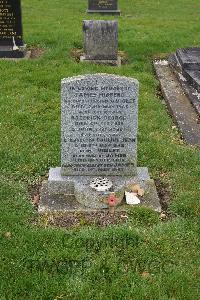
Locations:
(101, 42)
(103, 7)
(99, 124)
(11, 36)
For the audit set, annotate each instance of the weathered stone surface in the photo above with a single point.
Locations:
(103, 6)
(185, 64)
(179, 104)
(11, 40)
(189, 90)
(109, 62)
(189, 58)
(100, 40)
(193, 77)
(56, 200)
(99, 125)
(73, 193)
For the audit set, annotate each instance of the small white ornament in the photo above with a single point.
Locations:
(15, 47)
(131, 198)
(101, 184)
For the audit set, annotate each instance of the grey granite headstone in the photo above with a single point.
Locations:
(100, 41)
(99, 125)
(103, 7)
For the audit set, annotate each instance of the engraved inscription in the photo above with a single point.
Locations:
(99, 126)
(103, 4)
(10, 22)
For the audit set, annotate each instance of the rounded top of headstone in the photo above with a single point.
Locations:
(101, 76)
(100, 21)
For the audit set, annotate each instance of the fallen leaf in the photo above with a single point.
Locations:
(8, 235)
(135, 188)
(163, 216)
(59, 297)
(140, 192)
(124, 217)
(146, 275)
(36, 199)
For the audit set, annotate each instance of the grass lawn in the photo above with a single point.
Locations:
(144, 258)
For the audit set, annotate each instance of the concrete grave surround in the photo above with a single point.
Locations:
(103, 7)
(11, 35)
(180, 84)
(99, 124)
(100, 42)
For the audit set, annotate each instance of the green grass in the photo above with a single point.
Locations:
(144, 259)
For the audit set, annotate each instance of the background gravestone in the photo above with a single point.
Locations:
(100, 42)
(103, 6)
(11, 40)
(99, 124)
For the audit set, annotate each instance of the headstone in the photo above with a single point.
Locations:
(99, 125)
(103, 7)
(100, 42)
(11, 40)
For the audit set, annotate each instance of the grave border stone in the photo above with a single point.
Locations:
(179, 78)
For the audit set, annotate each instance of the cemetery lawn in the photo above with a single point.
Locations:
(143, 258)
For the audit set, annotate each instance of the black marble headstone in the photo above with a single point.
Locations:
(103, 6)
(11, 40)
(189, 58)
(187, 62)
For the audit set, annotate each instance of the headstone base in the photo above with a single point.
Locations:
(73, 193)
(104, 12)
(110, 62)
(7, 52)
